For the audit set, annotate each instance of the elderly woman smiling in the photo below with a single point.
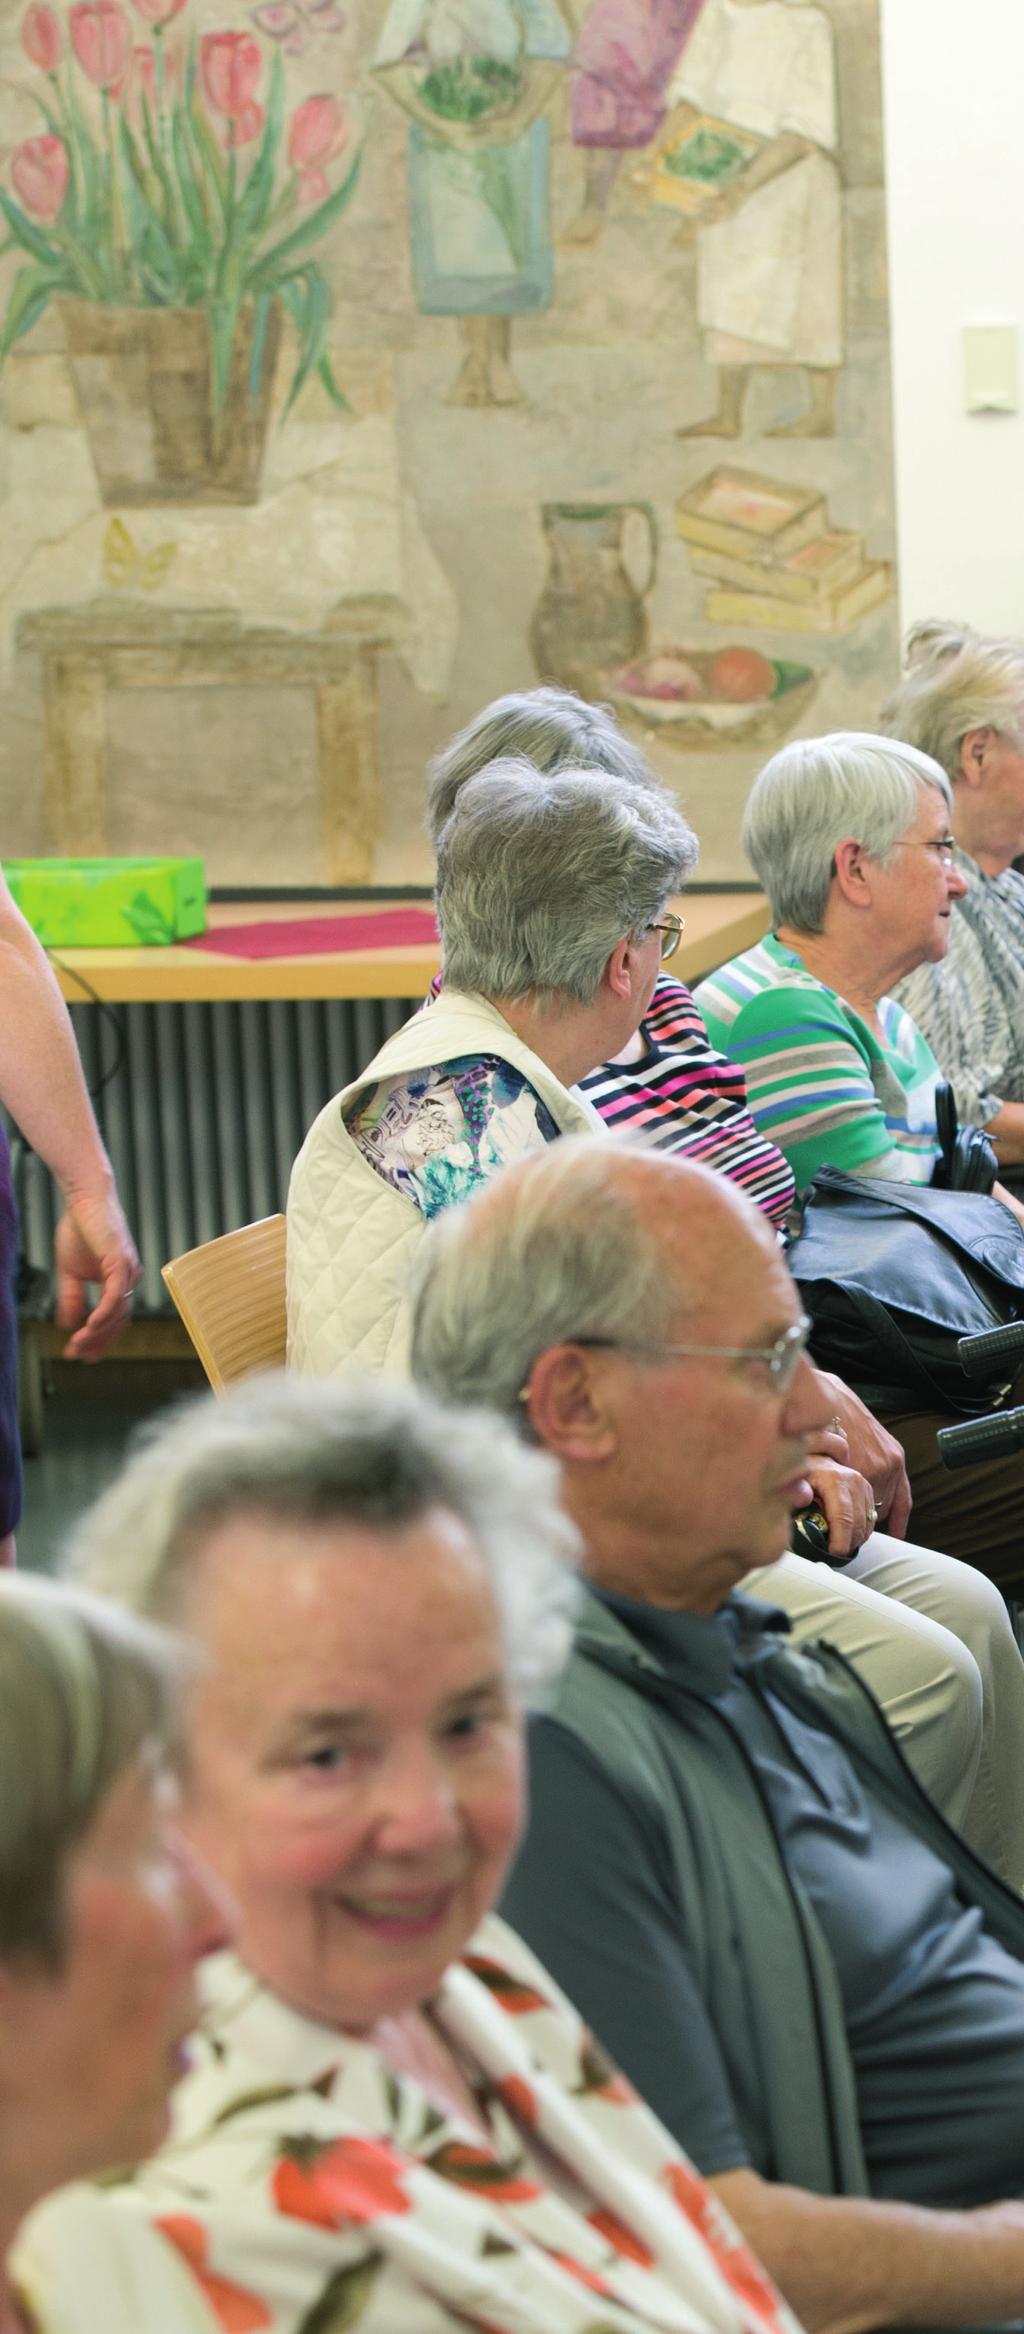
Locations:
(850, 836)
(103, 1912)
(852, 840)
(395, 2122)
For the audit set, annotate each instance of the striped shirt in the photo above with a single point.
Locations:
(971, 1006)
(685, 1097)
(820, 1084)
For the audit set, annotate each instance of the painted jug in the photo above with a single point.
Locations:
(590, 616)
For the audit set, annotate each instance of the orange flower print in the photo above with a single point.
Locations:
(517, 2096)
(733, 2256)
(599, 2075)
(237, 2311)
(511, 1992)
(469, 2167)
(591, 2278)
(334, 2182)
(623, 2239)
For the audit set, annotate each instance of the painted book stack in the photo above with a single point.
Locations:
(776, 562)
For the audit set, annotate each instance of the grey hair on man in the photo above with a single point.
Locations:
(956, 681)
(540, 878)
(553, 1250)
(814, 793)
(380, 1455)
(550, 728)
(85, 1692)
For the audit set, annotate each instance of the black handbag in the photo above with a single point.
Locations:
(967, 1160)
(893, 1274)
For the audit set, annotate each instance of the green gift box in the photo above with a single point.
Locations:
(110, 903)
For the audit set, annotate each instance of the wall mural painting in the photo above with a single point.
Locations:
(360, 359)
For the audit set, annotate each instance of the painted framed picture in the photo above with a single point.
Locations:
(360, 362)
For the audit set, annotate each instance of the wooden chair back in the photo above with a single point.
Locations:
(230, 1295)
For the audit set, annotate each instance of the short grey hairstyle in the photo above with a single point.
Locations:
(811, 795)
(550, 728)
(956, 680)
(555, 1249)
(540, 878)
(85, 1691)
(307, 1452)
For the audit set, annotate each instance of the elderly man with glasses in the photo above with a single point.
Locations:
(730, 1867)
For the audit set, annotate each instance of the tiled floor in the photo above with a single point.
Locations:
(89, 1418)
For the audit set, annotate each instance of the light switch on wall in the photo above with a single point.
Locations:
(990, 368)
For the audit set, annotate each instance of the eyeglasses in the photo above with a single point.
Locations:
(780, 1360)
(944, 847)
(671, 928)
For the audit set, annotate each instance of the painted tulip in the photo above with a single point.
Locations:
(139, 84)
(230, 65)
(159, 12)
(39, 170)
(101, 38)
(40, 38)
(319, 129)
(246, 124)
(313, 186)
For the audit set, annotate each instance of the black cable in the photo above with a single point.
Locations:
(109, 1014)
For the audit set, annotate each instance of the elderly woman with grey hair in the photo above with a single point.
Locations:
(961, 700)
(552, 900)
(850, 835)
(394, 2120)
(103, 1912)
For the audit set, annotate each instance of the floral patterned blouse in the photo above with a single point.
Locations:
(307, 2188)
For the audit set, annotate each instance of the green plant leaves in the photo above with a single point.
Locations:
(311, 228)
(157, 214)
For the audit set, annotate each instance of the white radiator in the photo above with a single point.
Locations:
(206, 1112)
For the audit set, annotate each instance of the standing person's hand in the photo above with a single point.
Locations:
(93, 1246)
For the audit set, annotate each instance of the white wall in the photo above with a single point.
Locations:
(953, 86)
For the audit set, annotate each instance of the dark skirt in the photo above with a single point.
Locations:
(10, 1446)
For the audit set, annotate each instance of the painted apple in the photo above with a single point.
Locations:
(741, 675)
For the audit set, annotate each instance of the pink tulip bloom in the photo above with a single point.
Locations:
(39, 170)
(101, 39)
(314, 186)
(40, 38)
(230, 64)
(246, 125)
(159, 12)
(319, 129)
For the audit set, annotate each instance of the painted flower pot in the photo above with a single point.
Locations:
(144, 379)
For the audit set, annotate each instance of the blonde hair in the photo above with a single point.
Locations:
(954, 681)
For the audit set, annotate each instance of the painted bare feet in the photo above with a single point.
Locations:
(806, 425)
(716, 425)
(819, 420)
(485, 382)
(584, 228)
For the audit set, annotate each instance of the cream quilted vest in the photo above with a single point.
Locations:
(350, 1234)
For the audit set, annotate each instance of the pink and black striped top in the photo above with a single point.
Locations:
(687, 1098)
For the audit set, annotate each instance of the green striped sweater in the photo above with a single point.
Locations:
(820, 1084)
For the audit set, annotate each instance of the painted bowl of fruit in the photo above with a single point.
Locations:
(700, 697)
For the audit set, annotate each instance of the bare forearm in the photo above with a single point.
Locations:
(772, 161)
(41, 1081)
(1006, 1132)
(999, 1191)
(847, 2264)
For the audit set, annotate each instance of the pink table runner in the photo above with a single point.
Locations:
(410, 927)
